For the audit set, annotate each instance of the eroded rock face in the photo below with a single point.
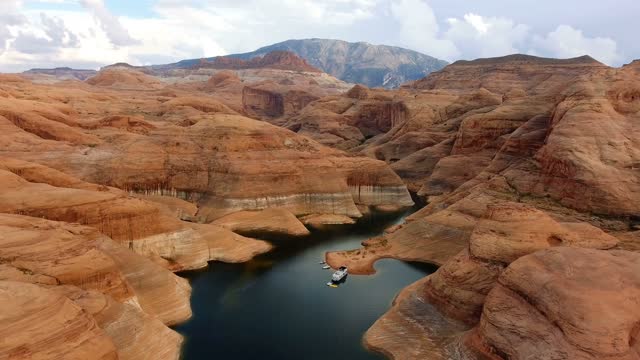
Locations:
(519, 129)
(448, 303)
(563, 303)
(105, 191)
(120, 292)
(126, 79)
(488, 143)
(270, 100)
(509, 139)
(146, 228)
(223, 78)
(120, 320)
(507, 232)
(263, 102)
(41, 324)
(527, 119)
(270, 221)
(509, 73)
(211, 157)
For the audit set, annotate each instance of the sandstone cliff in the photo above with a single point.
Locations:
(110, 185)
(82, 296)
(553, 135)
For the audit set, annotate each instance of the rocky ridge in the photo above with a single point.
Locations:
(358, 63)
(519, 133)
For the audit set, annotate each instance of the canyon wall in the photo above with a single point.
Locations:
(518, 158)
(111, 185)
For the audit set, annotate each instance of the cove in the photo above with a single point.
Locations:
(278, 306)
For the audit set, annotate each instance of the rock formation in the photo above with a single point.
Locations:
(281, 60)
(58, 74)
(223, 78)
(54, 272)
(143, 227)
(507, 232)
(486, 143)
(563, 304)
(529, 168)
(125, 79)
(69, 333)
(269, 221)
(206, 155)
(107, 189)
(274, 100)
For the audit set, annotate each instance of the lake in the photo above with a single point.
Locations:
(278, 306)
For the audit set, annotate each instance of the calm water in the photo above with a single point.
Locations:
(278, 306)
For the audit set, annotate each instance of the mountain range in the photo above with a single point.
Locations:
(361, 63)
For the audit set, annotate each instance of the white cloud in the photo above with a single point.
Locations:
(471, 37)
(9, 17)
(477, 36)
(180, 29)
(49, 37)
(117, 34)
(419, 29)
(567, 42)
(478, 22)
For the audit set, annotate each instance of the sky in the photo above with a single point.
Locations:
(93, 33)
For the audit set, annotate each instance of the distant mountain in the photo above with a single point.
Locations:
(63, 73)
(282, 60)
(363, 63)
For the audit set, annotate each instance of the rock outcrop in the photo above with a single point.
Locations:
(507, 232)
(464, 147)
(281, 60)
(223, 78)
(437, 311)
(272, 221)
(141, 226)
(563, 304)
(58, 74)
(41, 324)
(483, 134)
(196, 149)
(125, 79)
(74, 271)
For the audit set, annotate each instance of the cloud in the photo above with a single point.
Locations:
(56, 36)
(117, 34)
(477, 36)
(240, 25)
(567, 42)
(8, 18)
(419, 29)
(172, 30)
(469, 37)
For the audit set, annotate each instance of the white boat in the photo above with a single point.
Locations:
(326, 267)
(340, 274)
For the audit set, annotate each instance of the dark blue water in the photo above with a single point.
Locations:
(278, 306)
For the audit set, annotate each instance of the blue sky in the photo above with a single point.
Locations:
(136, 8)
(93, 33)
